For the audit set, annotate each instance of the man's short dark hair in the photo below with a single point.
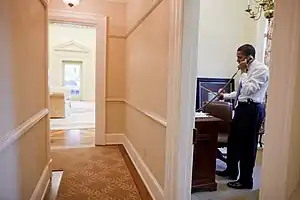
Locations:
(247, 49)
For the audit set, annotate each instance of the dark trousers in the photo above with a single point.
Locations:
(243, 139)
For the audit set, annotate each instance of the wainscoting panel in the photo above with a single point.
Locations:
(25, 169)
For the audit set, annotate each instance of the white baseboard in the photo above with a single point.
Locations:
(43, 184)
(154, 188)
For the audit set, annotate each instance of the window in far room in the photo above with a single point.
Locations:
(72, 78)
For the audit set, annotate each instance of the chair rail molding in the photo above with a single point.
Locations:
(12, 136)
(155, 117)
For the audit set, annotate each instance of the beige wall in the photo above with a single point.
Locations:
(115, 83)
(146, 82)
(22, 55)
(82, 50)
(136, 10)
(224, 25)
(281, 161)
(293, 163)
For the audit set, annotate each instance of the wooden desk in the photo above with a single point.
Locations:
(205, 153)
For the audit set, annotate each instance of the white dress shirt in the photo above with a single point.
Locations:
(254, 83)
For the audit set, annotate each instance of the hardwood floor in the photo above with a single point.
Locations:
(72, 138)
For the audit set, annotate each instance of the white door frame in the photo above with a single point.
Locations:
(45, 3)
(182, 75)
(282, 139)
(100, 22)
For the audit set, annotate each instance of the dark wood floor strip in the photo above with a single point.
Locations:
(145, 195)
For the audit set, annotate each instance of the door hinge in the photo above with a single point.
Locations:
(195, 132)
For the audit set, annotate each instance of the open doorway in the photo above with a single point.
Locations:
(72, 66)
(216, 70)
(76, 74)
(210, 80)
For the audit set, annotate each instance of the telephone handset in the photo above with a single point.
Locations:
(249, 59)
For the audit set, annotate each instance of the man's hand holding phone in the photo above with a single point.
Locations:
(243, 66)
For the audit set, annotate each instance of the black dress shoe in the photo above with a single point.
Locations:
(240, 185)
(226, 174)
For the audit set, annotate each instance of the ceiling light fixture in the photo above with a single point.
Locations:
(71, 3)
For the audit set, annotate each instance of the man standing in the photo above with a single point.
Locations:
(248, 117)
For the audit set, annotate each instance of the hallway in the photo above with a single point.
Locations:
(83, 171)
(97, 173)
(146, 65)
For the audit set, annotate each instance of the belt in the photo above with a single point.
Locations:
(249, 101)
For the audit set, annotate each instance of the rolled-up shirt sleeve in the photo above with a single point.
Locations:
(252, 84)
(231, 95)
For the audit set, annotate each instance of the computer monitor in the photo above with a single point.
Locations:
(212, 84)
